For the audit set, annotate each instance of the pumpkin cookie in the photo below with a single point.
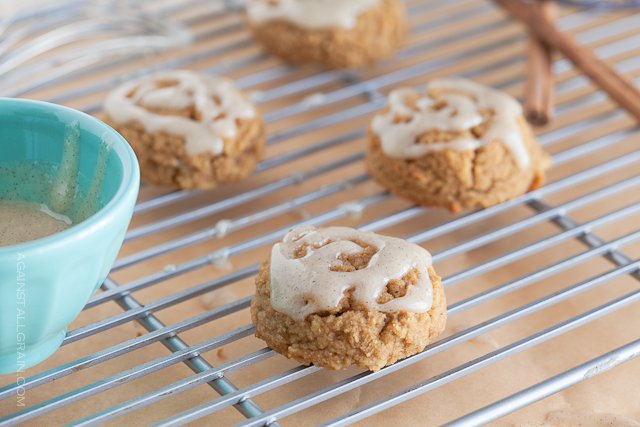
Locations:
(459, 145)
(334, 33)
(337, 297)
(188, 130)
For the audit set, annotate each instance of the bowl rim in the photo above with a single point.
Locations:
(128, 188)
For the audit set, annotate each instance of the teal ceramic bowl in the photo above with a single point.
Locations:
(45, 283)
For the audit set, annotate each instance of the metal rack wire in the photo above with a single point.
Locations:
(179, 243)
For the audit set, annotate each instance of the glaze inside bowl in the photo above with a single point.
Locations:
(72, 174)
(78, 167)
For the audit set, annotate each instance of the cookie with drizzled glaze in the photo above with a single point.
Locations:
(336, 297)
(333, 33)
(188, 130)
(458, 144)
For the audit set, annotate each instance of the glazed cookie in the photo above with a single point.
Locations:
(188, 130)
(459, 145)
(335, 33)
(337, 297)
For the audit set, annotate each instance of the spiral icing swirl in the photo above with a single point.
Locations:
(469, 114)
(305, 280)
(216, 106)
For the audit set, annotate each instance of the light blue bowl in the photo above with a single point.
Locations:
(45, 283)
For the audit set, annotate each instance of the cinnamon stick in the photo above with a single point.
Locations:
(618, 87)
(539, 90)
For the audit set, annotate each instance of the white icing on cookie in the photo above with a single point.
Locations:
(306, 285)
(310, 13)
(216, 100)
(455, 106)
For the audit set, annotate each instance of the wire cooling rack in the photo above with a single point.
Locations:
(542, 290)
